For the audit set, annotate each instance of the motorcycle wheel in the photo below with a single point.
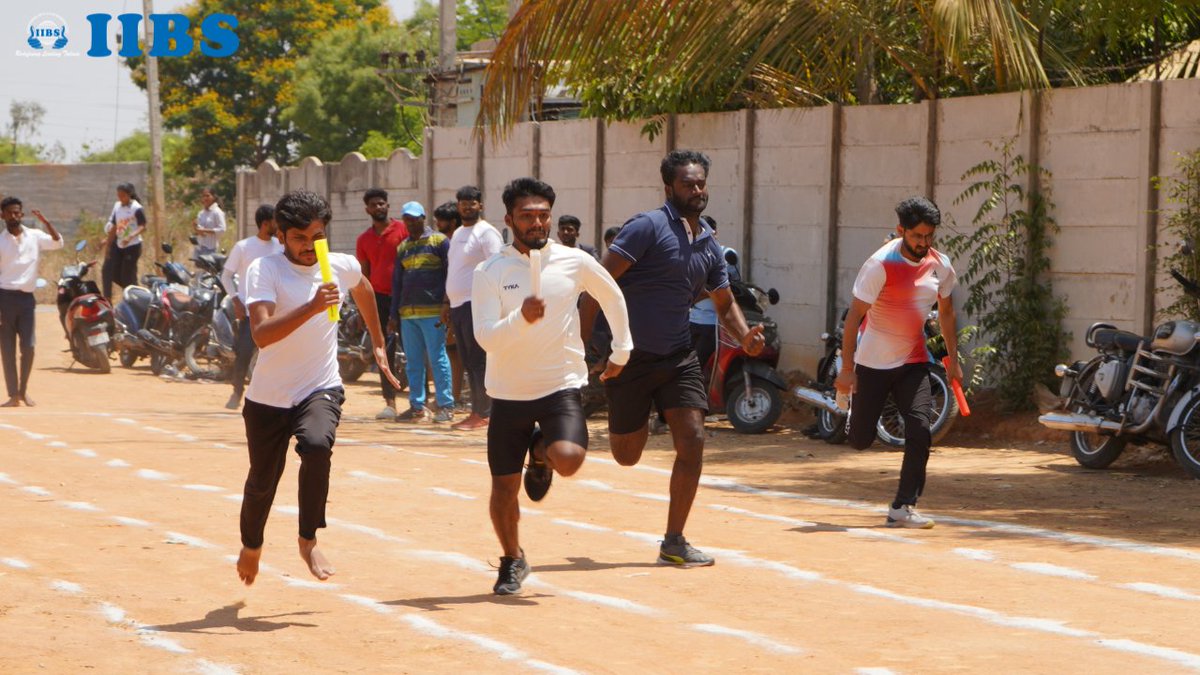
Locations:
(201, 365)
(1185, 440)
(755, 413)
(351, 369)
(890, 429)
(158, 363)
(98, 355)
(128, 358)
(1093, 450)
(831, 427)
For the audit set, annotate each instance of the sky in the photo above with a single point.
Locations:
(90, 102)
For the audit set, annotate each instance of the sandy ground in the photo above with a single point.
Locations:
(122, 493)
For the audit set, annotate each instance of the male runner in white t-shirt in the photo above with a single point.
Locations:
(296, 390)
(537, 367)
(894, 290)
(233, 279)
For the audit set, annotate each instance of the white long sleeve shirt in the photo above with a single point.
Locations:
(528, 361)
(469, 246)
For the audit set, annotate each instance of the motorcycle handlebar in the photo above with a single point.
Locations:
(1190, 287)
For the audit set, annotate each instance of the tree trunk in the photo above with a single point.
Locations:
(866, 89)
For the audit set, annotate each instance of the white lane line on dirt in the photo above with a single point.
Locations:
(794, 522)
(476, 462)
(201, 487)
(430, 627)
(85, 452)
(607, 601)
(186, 540)
(367, 530)
(369, 603)
(35, 436)
(15, 563)
(151, 474)
(124, 420)
(233, 497)
(80, 506)
(117, 463)
(131, 522)
(420, 453)
(35, 490)
(4, 478)
(975, 554)
(366, 475)
(756, 639)
(66, 587)
(1162, 591)
(1053, 570)
(56, 444)
(186, 438)
(873, 671)
(450, 493)
(581, 526)
(1183, 658)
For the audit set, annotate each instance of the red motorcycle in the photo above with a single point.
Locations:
(86, 316)
(748, 388)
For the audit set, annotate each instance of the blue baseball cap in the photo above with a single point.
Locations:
(413, 209)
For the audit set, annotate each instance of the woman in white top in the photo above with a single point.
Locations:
(209, 224)
(123, 240)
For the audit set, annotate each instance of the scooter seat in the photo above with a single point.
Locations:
(1113, 338)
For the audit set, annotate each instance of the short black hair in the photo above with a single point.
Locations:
(9, 201)
(373, 193)
(916, 210)
(128, 189)
(677, 158)
(263, 213)
(710, 221)
(526, 187)
(298, 209)
(468, 193)
(212, 191)
(569, 220)
(612, 232)
(448, 212)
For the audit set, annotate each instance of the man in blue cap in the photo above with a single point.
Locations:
(418, 291)
(376, 253)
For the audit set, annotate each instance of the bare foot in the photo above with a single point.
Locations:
(27, 401)
(11, 403)
(317, 564)
(247, 564)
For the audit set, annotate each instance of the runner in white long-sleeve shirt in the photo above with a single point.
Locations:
(535, 366)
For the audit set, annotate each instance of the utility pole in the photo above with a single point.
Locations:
(158, 208)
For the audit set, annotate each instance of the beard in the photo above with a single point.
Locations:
(916, 254)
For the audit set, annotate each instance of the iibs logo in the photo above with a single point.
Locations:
(47, 32)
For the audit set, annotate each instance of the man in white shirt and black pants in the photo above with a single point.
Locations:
(894, 290)
(20, 248)
(296, 390)
(531, 329)
(241, 255)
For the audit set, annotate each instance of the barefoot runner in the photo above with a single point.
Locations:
(296, 390)
(536, 368)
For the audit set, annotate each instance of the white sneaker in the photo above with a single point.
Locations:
(388, 413)
(907, 516)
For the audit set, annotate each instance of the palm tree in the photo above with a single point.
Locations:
(629, 59)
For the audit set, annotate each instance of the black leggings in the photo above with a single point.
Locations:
(269, 431)
(120, 265)
(910, 389)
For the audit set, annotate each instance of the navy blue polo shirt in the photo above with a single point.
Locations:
(667, 275)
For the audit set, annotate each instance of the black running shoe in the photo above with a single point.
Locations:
(512, 572)
(538, 474)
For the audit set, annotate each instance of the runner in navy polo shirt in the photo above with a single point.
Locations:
(662, 259)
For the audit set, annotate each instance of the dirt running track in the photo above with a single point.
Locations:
(121, 493)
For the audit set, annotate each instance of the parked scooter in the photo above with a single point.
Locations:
(86, 316)
(1137, 389)
(140, 305)
(831, 420)
(748, 388)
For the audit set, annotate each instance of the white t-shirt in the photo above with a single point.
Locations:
(901, 294)
(305, 361)
(19, 257)
(468, 247)
(243, 253)
(211, 219)
(126, 218)
(528, 361)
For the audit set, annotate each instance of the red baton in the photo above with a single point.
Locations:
(963, 408)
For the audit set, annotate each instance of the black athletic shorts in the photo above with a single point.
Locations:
(559, 415)
(653, 380)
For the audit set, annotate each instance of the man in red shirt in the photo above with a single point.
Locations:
(376, 252)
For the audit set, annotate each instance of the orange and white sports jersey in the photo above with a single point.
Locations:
(901, 293)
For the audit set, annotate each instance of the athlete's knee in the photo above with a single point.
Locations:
(861, 441)
(314, 446)
(566, 458)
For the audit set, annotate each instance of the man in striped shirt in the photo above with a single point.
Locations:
(418, 291)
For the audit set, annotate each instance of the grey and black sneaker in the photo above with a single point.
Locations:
(414, 415)
(512, 572)
(444, 415)
(676, 550)
(538, 474)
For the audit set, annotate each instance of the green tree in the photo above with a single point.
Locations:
(233, 106)
(477, 20)
(136, 148)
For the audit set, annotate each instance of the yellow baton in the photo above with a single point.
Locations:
(322, 248)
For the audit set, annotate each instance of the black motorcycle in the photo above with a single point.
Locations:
(142, 304)
(1136, 389)
(86, 316)
(831, 420)
(354, 353)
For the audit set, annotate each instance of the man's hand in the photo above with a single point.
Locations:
(533, 309)
(846, 382)
(38, 214)
(391, 325)
(611, 370)
(327, 296)
(446, 315)
(753, 341)
(239, 310)
(382, 362)
(954, 372)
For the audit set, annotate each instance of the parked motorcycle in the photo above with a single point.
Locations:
(208, 351)
(748, 388)
(141, 305)
(354, 347)
(831, 420)
(86, 316)
(1137, 389)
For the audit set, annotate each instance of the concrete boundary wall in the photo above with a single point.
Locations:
(807, 194)
(68, 193)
